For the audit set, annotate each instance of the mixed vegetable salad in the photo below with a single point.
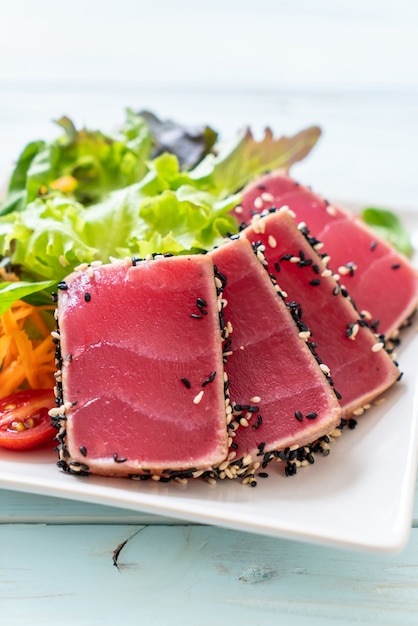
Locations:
(152, 186)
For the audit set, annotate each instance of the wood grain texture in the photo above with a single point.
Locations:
(188, 575)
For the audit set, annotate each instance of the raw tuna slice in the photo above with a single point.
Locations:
(360, 368)
(278, 392)
(140, 375)
(368, 265)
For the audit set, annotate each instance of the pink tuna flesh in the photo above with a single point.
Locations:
(346, 346)
(139, 344)
(270, 367)
(375, 265)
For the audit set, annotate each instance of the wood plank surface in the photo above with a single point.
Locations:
(189, 576)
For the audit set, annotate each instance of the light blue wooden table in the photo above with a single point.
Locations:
(353, 69)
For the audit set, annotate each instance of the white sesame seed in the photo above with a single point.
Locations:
(260, 256)
(272, 241)
(258, 203)
(238, 209)
(358, 411)
(255, 399)
(256, 226)
(267, 197)
(343, 270)
(336, 433)
(81, 267)
(198, 398)
(56, 411)
(377, 346)
(326, 273)
(331, 210)
(324, 368)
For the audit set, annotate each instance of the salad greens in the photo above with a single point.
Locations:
(388, 225)
(12, 291)
(88, 164)
(89, 196)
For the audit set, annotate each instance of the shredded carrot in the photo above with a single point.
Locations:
(26, 349)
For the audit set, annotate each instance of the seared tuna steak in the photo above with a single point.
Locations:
(279, 395)
(140, 379)
(360, 367)
(368, 265)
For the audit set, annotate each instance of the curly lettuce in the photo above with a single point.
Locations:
(89, 196)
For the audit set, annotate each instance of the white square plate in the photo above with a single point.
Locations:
(360, 496)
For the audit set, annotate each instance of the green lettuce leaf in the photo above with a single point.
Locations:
(16, 197)
(54, 235)
(388, 225)
(82, 164)
(10, 292)
(103, 197)
(240, 161)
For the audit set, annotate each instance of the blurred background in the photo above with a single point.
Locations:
(350, 66)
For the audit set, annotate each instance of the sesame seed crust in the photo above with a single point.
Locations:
(59, 414)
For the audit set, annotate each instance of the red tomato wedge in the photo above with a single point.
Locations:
(24, 419)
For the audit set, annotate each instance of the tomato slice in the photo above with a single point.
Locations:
(24, 419)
